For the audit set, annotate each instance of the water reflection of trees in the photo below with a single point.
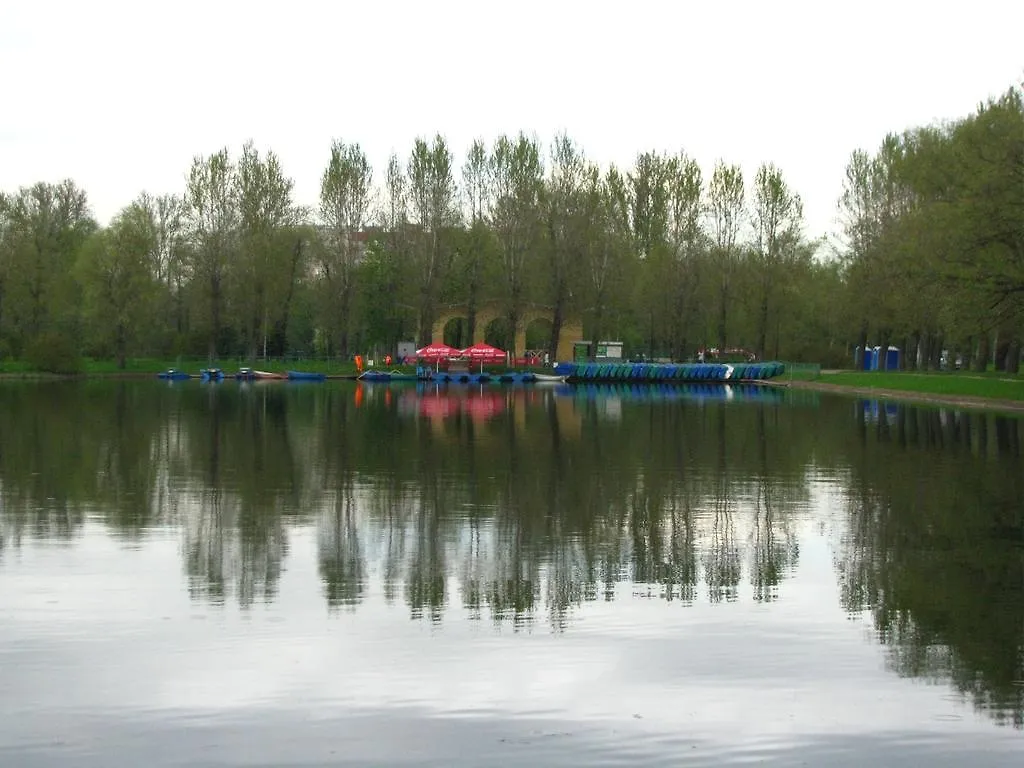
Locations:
(934, 548)
(528, 507)
(541, 508)
(524, 510)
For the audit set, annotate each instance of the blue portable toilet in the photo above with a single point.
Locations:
(892, 359)
(870, 359)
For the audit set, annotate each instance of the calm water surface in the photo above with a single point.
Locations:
(332, 574)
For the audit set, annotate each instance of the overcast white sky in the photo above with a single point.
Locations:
(121, 95)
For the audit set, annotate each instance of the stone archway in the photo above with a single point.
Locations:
(455, 332)
(538, 333)
(572, 327)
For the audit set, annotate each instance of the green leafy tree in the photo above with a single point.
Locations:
(114, 269)
(46, 226)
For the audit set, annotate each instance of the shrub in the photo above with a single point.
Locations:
(53, 353)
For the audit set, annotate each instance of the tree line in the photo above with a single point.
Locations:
(659, 255)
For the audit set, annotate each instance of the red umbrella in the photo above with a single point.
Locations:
(483, 353)
(437, 352)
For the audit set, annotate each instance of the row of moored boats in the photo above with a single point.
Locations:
(562, 372)
(242, 374)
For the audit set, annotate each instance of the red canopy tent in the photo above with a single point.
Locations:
(437, 352)
(483, 353)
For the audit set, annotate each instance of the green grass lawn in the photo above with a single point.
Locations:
(1003, 387)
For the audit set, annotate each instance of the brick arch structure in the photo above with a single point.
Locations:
(572, 328)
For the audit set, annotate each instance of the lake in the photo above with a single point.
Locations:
(314, 574)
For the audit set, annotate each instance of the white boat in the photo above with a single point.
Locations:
(547, 378)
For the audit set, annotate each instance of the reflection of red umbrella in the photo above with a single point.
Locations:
(437, 352)
(483, 353)
(484, 406)
(437, 406)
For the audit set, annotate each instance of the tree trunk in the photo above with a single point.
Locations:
(1002, 352)
(936, 361)
(650, 340)
(282, 325)
(120, 345)
(215, 298)
(862, 347)
(762, 334)
(471, 317)
(557, 320)
(1012, 362)
(344, 318)
(179, 301)
(426, 321)
(982, 355)
(883, 351)
(514, 317)
(723, 314)
(598, 329)
(343, 342)
(254, 325)
(914, 344)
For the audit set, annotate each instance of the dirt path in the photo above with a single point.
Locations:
(958, 401)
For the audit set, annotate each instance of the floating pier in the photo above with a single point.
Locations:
(667, 372)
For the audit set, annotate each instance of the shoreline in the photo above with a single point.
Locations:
(881, 393)
(925, 398)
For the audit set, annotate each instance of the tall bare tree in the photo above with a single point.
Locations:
(649, 202)
(571, 212)
(778, 216)
(266, 212)
(476, 185)
(726, 206)
(432, 193)
(686, 241)
(517, 176)
(211, 209)
(168, 259)
(610, 252)
(345, 201)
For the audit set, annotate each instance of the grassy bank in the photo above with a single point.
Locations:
(990, 386)
(145, 366)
